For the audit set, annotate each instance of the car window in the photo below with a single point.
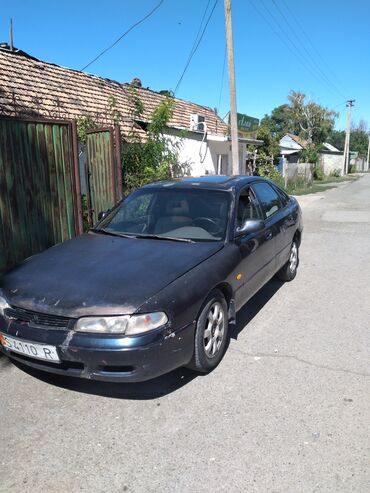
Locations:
(268, 197)
(284, 198)
(136, 206)
(248, 207)
(199, 215)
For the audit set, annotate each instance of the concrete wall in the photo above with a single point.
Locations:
(296, 171)
(331, 162)
(360, 163)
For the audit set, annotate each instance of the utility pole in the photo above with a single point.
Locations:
(232, 89)
(348, 134)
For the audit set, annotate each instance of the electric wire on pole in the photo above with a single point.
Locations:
(232, 89)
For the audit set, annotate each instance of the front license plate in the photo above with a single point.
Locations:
(38, 351)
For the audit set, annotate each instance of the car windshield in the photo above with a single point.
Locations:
(177, 214)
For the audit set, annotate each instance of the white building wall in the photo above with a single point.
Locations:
(200, 157)
(331, 163)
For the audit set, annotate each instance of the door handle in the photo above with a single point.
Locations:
(268, 235)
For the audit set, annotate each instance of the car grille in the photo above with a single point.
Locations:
(35, 318)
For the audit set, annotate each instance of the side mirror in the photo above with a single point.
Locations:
(250, 226)
(102, 215)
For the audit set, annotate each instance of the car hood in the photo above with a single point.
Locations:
(95, 274)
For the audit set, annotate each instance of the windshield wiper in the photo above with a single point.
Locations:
(112, 233)
(160, 237)
(145, 236)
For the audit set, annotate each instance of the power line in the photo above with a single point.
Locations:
(192, 53)
(311, 58)
(198, 33)
(313, 69)
(340, 104)
(272, 27)
(310, 41)
(291, 47)
(124, 34)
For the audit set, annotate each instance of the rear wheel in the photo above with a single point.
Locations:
(211, 333)
(289, 270)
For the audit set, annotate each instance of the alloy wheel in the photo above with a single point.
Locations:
(215, 330)
(293, 259)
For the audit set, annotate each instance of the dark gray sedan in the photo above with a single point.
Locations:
(155, 284)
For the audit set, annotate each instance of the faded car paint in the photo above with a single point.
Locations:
(102, 275)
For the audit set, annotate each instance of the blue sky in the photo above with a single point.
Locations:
(318, 47)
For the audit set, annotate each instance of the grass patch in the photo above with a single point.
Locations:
(300, 187)
(337, 179)
(310, 189)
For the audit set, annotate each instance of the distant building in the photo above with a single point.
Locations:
(291, 146)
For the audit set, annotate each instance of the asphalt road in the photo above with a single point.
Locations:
(287, 410)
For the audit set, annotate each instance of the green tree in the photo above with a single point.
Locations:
(312, 121)
(151, 155)
(359, 139)
(301, 117)
(263, 158)
(279, 122)
(337, 138)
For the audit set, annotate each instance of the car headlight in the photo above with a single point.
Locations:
(3, 304)
(122, 324)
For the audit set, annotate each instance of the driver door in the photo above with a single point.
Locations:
(254, 248)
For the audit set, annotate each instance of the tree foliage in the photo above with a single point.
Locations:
(153, 155)
(359, 139)
(279, 122)
(301, 117)
(337, 138)
(311, 121)
(84, 124)
(263, 158)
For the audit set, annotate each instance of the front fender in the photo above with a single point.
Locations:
(183, 298)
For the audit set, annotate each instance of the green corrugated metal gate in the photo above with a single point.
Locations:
(39, 188)
(104, 175)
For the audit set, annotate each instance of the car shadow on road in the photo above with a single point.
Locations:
(160, 386)
(254, 306)
(151, 389)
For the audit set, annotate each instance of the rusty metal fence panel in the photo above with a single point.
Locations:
(38, 205)
(101, 172)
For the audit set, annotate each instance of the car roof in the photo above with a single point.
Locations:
(207, 182)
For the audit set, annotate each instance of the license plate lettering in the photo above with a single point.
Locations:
(38, 351)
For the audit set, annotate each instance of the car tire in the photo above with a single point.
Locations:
(289, 270)
(210, 334)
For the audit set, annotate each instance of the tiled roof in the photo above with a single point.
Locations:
(30, 87)
(302, 142)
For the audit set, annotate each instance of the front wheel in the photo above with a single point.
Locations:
(289, 270)
(211, 333)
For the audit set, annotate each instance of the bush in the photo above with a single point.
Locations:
(336, 173)
(310, 154)
(154, 157)
(268, 170)
(318, 173)
(352, 168)
(299, 183)
(132, 181)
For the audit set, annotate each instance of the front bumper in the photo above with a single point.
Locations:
(104, 357)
